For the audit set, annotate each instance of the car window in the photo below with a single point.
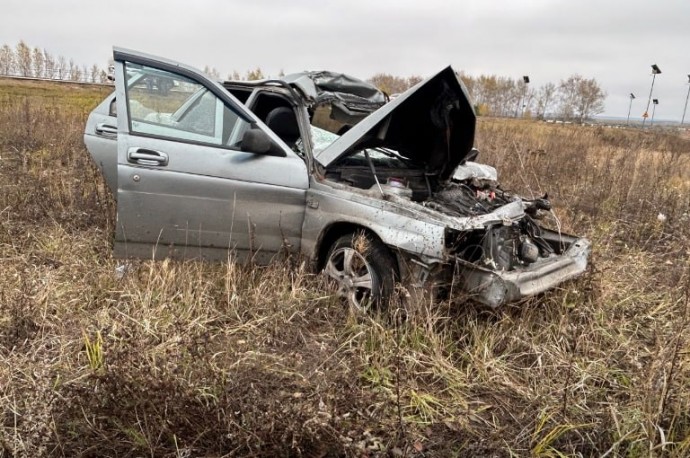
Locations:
(169, 105)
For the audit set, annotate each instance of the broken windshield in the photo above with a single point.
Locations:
(322, 138)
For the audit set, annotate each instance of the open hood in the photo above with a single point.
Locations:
(351, 99)
(431, 124)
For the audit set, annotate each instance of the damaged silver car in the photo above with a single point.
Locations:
(374, 192)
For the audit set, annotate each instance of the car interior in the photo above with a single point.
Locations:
(279, 115)
(274, 110)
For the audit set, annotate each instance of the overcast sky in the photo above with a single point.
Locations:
(614, 41)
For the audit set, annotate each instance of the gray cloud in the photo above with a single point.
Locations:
(614, 41)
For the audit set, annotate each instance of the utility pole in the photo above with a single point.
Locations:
(525, 79)
(686, 102)
(655, 71)
(519, 110)
(632, 97)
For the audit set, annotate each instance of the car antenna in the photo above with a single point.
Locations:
(373, 171)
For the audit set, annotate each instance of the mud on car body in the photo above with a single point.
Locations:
(320, 164)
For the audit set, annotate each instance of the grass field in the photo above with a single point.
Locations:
(193, 359)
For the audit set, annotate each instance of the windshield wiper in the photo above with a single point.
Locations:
(396, 155)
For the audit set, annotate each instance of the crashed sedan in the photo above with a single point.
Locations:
(374, 192)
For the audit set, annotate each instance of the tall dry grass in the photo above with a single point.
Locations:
(193, 359)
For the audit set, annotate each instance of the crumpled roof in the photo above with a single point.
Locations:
(351, 98)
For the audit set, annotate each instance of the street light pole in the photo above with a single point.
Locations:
(632, 97)
(520, 109)
(656, 102)
(525, 79)
(686, 102)
(655, 71)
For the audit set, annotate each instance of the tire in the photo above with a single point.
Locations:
(363, 269)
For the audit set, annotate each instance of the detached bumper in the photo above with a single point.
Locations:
(493, 288)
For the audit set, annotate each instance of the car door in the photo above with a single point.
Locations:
(184, 187)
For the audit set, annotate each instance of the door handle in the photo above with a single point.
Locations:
(105, 129)
(145, 156)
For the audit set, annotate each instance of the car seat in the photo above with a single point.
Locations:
(283, 122)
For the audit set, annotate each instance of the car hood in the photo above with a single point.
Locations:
(432, 124)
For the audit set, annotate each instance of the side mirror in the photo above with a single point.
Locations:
(258, 142)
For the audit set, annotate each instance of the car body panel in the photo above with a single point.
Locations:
(350, 99)
(405, 231)
(494, 288)
(100, 136)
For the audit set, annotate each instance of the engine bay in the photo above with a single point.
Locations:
(505, 246)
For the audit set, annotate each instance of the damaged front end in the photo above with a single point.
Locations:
(495, 249)
(512, 257)
(415, 154)
(494, 287)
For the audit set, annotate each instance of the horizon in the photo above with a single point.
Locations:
(549, 40)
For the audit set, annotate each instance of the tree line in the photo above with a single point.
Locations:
(575, 98)
(23, 60)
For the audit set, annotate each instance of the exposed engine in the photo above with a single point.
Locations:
(474, 192)
(469, 198)
(501, 246)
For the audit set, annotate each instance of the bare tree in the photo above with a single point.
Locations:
(519, 95)
(73, 72)
(255, 74)
(61, 68)
(93, 73)
(391, 84)
(528, 103)
(468, 81)
(580, 97)
(49, 63)
(567, 96)
(414, 80)
(544, 97)
(23, 59)
(496, 95)
(591, 98)
(212, 72)
(386, 82)
(508, 96)
(38, 62)
(6, 60)
(574, 98)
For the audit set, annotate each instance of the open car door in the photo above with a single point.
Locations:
(186, 184)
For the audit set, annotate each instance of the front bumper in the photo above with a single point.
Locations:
(494, 288)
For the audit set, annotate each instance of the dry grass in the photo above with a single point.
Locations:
(193, 359)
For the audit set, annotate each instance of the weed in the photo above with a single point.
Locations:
(94, 351)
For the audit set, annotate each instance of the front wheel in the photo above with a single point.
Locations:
(363, 269)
